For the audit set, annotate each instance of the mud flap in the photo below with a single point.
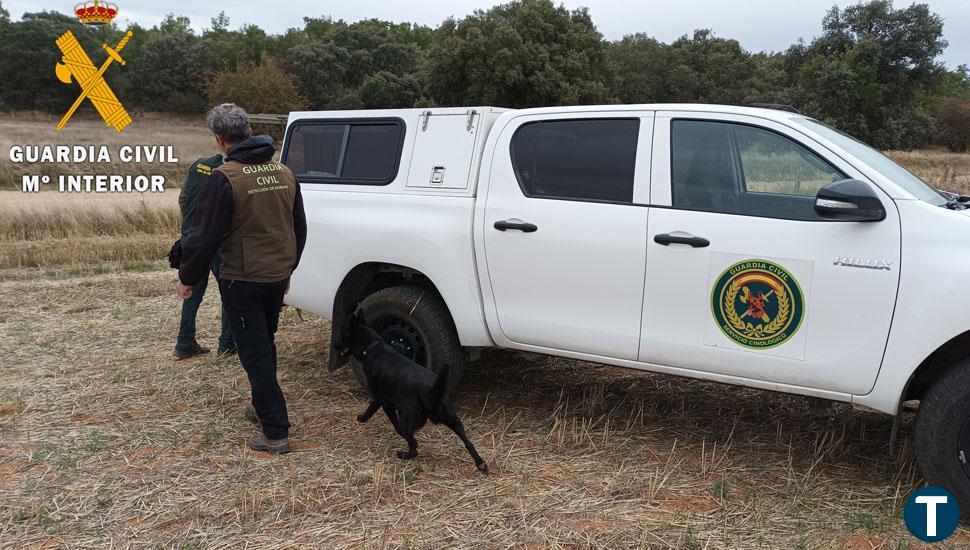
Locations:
(345, 303)
(339, 314)
(894, 434)
(336, 360)
(898, 419)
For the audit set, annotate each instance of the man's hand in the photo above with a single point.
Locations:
(182, 291)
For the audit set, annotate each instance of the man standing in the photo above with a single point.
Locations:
(186, 345)
(251, 210)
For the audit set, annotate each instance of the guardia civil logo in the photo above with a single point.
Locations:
(76, 66)
(757, 304)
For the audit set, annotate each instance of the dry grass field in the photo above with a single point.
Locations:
(105, 441)
(942, 169)
(51, 229)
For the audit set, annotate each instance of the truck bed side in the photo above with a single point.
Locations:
(409, 222)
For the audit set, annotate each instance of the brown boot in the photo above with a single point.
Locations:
(190, 351)
(275, 446)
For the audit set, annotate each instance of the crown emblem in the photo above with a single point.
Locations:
(95, 13)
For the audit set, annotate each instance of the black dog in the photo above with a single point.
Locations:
(409, 393)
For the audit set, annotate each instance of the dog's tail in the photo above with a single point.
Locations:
(437, 391)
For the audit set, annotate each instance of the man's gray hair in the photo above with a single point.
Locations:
(230, 122)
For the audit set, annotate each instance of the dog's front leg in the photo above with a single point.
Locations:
(371, 409)
(405, 424)
(412, 448)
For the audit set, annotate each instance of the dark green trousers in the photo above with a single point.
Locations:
(190, 308)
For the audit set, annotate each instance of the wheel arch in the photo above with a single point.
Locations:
(370, 277)
(931, 368)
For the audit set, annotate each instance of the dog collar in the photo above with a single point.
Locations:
(371, 346)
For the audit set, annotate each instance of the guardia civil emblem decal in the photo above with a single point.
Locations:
(757, 304)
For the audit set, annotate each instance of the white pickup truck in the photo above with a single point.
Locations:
(750, 246)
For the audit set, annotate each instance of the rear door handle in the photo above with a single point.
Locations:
(668, 239)
(517, 225)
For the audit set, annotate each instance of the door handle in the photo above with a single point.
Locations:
(516, 225)
(668, 239)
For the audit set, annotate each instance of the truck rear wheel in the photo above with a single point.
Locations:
(943, 434)
(415, 321)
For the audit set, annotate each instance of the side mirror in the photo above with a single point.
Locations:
(849, 201)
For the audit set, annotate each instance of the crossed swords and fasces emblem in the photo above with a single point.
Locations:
(756, 304)
(77, 65)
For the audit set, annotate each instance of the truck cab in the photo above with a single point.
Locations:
(748, 246)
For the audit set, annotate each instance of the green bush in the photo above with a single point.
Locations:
(526, 53)
(262, 88)
(953, 124)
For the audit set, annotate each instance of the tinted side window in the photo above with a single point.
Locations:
(588, 159)
(740, 169)
(372, 152)
(360, 152)
(705, 175)
(315, 150)
(775, 164)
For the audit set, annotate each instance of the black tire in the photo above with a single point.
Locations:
(943, 434)
(416, 321)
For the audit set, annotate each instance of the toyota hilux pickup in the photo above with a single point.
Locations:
(749, 246)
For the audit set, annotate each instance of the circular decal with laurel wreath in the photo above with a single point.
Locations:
(757, 304)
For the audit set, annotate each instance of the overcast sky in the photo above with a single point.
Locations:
(760, 25)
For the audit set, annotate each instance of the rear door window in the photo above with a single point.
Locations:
(581, 159)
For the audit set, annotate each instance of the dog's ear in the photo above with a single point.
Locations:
(359, 317)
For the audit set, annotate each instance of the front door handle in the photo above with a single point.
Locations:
(668, 239)
(517, 225)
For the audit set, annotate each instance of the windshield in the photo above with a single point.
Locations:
(899, 175)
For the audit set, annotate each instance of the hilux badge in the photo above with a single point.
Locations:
(866, 263)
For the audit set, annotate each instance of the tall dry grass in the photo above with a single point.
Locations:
(941, 169)
(110, 218)
(51, 229)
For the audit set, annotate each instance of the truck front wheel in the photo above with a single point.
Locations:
(415, 321)
(943, 433)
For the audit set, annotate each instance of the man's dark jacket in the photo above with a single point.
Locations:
(251, 208)
(195, 181)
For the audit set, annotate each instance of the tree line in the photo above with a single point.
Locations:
(873, 71)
